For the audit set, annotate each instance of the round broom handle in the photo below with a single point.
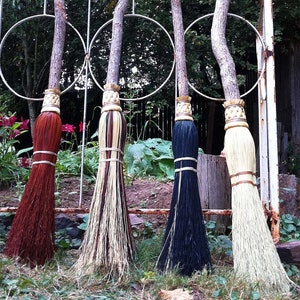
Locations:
(221, 51)
(58, 44)
(116, 43)
(181, 72)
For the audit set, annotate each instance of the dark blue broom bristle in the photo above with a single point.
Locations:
(185, 244)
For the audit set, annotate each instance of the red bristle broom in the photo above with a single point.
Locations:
(185, 246)
(107, 245)
(254, 253)
(31, 237)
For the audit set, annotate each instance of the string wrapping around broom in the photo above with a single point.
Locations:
(185, 246)
(254, 253)
(107, 243)
(31, 237)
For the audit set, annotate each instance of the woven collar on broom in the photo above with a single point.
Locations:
(185, 245)
(107, 243)
(254, 253)
(31, 237)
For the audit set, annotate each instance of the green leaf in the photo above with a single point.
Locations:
(25, 150)
(255, 295)
(216, 293)
(221, 280)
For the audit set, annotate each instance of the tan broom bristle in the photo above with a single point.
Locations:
(254, 252)
(107, 243)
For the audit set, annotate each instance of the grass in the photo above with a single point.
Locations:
(56, 280)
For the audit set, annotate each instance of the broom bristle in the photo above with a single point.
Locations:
(185, 244)
(107, 243)
(31, 237)
(254, 253)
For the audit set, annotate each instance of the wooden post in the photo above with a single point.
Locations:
(262, 115)
(271, 120)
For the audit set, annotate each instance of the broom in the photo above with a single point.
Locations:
(31, 237)
(185, 245)
(107, 245)
(254, 253)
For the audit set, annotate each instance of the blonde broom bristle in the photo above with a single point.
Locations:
(107, 243)
(255, 256)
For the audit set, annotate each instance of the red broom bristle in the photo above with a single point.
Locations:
(31, 237)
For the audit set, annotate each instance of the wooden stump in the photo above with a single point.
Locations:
(214, 187)
(289, 252)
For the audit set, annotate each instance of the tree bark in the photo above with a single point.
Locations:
(181, 72)
(58, 45)
(116, 45)
(221, 52)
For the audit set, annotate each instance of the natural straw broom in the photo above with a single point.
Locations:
(255, 256)
(107, 244)
(185, 245)
(31, 237)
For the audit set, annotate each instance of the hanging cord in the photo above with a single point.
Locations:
(87, 61)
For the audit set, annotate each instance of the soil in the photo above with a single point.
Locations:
(140, 194)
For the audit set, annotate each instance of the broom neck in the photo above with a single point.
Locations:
(116, 43)
(58, 44)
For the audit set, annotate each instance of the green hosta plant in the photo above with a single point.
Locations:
(152, 157)
(289, 228)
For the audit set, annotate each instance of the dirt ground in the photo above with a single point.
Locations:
(140, 194)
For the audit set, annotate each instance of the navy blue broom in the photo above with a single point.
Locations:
(185, 246)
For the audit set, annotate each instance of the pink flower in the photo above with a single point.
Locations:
(7, 121)
(24, 162)
(68, 128)
(24, 124)
(14, 134)
(80, 127)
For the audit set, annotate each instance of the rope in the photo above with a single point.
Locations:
(185, 168)
(111, 159)
(44, 152)
(44, 162)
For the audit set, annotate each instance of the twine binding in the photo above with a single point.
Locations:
(44, 161)
(110, 100)
(235, 115)
(51, 101)
(183, 109)
(185, 168)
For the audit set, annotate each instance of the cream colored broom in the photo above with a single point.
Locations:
(107, 244)
(254, 253)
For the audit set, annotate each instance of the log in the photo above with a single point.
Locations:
(289, 252)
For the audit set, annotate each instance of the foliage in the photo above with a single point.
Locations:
(152, 157)
(69, 163)
(218, 244)
(289, 228)
(13, 168)
(57, 280)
